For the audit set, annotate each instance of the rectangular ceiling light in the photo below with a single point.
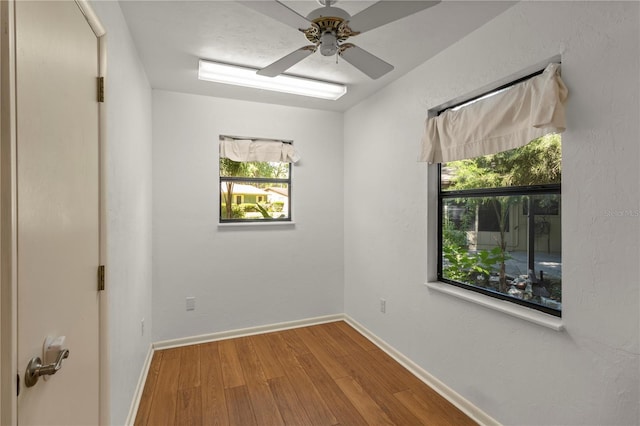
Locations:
(247, 77)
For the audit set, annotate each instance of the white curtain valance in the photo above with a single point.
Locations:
(257, 150)
(504, 121)
(244, 150)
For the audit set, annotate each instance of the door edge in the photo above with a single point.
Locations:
(8, 225)
(104, 415)
(105, 382)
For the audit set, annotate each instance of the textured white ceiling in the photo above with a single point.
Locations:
(172, 35)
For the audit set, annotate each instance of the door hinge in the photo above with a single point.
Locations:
(18, 385)
(101, 278)
(100, 89)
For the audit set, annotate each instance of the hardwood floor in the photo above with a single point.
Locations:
(326, 374)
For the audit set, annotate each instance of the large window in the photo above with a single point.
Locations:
(499, 179)
(254, 191)
(490, 239)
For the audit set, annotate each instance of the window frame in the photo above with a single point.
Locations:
(531, 190)
(239, 179)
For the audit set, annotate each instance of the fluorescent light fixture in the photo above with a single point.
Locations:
(247, 77)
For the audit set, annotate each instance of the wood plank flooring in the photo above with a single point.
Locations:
(326, 374)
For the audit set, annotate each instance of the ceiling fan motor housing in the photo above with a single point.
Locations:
(328, 32)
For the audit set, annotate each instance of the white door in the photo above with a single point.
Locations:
(58, 208)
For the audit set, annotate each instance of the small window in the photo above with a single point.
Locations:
(255, 191)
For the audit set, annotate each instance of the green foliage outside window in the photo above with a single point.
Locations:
(537, 163)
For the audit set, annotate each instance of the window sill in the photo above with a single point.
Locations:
(256, 224)
(512, 309)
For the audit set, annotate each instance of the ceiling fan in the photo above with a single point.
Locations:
(328, 29)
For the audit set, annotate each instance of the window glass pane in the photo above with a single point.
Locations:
(537, 163)
(518, 256)
(548, 248)
(254, 200)
(256, 169)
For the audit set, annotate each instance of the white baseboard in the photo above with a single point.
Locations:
(446, 392)
(212, 337)
(449, 394)
(133, 410)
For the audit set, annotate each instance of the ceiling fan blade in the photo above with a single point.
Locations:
(286, 62)
(279, 12)
(383, 12)
(369, 64)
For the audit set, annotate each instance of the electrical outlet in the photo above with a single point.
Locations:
(142, 326)
(383, 306)
(191, 303)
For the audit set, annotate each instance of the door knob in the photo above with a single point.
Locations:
(35, 369)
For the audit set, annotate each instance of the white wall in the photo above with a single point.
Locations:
(249, 276)
(128, 198)
(517, 372)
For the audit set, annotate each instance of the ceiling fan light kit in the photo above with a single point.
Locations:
(247, 77)
(328, 44)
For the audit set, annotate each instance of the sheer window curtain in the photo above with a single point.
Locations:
(246, 150)
(504, 121)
